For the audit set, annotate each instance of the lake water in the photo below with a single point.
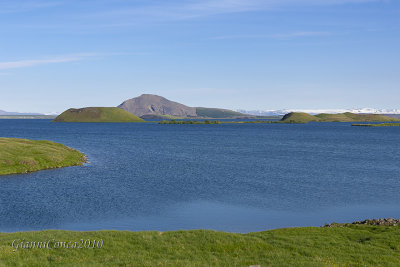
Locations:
(236, 178)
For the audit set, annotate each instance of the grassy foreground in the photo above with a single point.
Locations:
(21, 156)
(354, 245)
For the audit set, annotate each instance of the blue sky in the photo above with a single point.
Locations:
(239, 54)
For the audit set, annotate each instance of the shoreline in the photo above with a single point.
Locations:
(22, 156)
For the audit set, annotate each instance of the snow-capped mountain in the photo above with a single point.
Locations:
(280, 112)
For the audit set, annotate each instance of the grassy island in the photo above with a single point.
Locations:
(22, 156)
(97, 114)
(344, 245)
(300, 117)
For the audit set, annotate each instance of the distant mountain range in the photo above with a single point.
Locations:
(5, 113)
(280, 112)
(148, 106)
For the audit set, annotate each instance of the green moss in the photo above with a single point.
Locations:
(312, 246)
(22, 156)
(97, 114)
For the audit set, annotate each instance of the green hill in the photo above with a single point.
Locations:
(298, 117)
(22, 156)
(218, 113)
(97, 114)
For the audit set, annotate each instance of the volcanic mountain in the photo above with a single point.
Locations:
(147, 104)
(153, 106)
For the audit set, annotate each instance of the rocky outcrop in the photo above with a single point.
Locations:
(385, 222)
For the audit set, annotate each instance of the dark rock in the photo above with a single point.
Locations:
(381, 222)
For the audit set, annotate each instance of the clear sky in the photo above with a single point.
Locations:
(239, 54)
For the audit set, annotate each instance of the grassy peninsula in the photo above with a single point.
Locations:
(22, 156)
(97, 114)
(345, 245)
(299, 117)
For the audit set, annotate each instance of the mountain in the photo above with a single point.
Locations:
(97, 114)
(319, 111)
(301, 117)
(157, 107)
(147, 104)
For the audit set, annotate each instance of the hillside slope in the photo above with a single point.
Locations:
(97, 114)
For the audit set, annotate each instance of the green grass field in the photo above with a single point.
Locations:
(21, 156)
(355, 245)
(97, 114)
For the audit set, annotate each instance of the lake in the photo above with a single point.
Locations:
(229, 177)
